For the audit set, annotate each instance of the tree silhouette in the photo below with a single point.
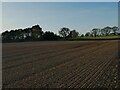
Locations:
(107, 30)
(82, 35)
(50, 36)
(5, 36)
(87, 34)
(28, 32)
(73, 34)
(36, 32)
(95, 32)
(64, 32)
(115, 30)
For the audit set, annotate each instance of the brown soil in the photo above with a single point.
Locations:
(63, 64)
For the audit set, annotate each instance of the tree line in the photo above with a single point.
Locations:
(95, 32)
(28, 34)
(35, 33)
(106, 31)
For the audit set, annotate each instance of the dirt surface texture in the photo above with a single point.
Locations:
(60, 64)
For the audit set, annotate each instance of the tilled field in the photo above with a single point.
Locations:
(63, 64)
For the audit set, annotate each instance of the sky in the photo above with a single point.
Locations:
(52, 16)
(59, 0)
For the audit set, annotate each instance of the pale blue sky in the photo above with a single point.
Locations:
(60, 0)
(53, 16)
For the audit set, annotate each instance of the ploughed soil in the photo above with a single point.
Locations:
(61, 64)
